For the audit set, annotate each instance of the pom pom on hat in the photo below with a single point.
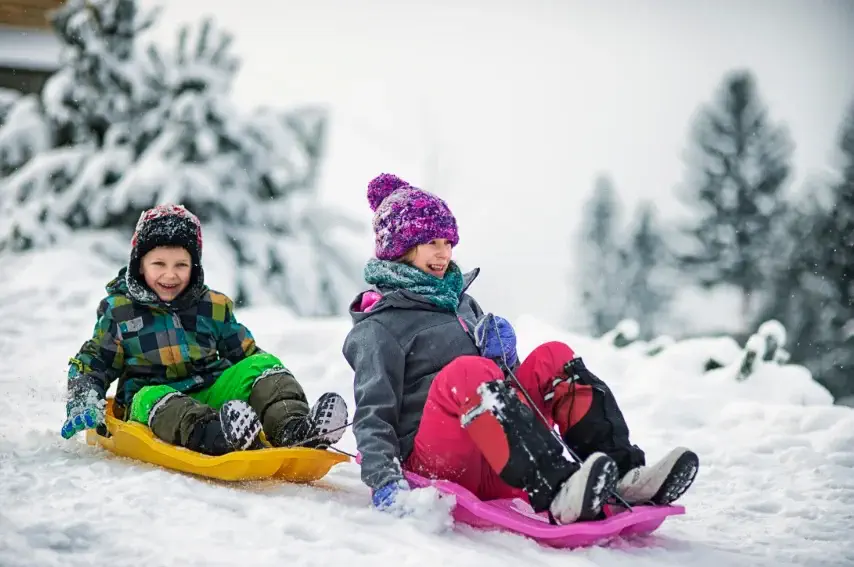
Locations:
(382, 186)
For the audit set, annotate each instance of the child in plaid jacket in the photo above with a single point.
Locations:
(185, 366)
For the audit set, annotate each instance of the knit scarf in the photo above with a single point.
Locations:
(442, 292)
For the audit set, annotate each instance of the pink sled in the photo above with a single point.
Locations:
(517, 516)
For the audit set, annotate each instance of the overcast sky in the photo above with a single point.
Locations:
(509, 108)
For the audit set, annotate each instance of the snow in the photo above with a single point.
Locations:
(29, 49)
(775, 485)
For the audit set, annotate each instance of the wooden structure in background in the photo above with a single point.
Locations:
(29, 51)
(29, 14)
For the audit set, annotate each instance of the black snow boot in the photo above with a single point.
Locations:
(323, 426)
(235, 428)
(603, 428)
(526, 455)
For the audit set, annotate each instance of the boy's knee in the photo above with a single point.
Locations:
(147, 399)
(276, 384)
(263, 360)
(169, 414)
(277, 396)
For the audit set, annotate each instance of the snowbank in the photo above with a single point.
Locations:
(775, 485)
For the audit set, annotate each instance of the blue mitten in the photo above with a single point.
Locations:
(496, 339)
(85, 411)
(384, 497)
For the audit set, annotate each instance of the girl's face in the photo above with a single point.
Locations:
(167, 271)
(433, 257)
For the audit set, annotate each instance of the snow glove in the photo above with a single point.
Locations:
(84, 411)
(496, 340)
(384, 497)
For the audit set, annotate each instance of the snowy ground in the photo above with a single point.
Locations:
(776, 483)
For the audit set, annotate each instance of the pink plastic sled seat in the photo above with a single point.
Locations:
(517, 516)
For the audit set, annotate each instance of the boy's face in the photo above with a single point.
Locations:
(167, 270)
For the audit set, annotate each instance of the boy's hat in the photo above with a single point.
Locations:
(166, 225)
(405, 216)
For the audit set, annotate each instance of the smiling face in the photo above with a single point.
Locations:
(167, 271)
(433, 257)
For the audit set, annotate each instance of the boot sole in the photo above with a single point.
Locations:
(240, 425)
(601, 481)
(330, 412)
(678, 480)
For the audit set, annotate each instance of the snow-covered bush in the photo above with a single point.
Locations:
(121, 127)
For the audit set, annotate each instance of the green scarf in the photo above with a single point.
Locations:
(442, 292)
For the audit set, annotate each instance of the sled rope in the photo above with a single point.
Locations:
(351, 455)
(319, 435)
(545, 421)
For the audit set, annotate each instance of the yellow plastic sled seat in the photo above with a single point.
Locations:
(136, 441)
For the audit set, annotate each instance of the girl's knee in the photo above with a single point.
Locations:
(464, 374)
(555, 351)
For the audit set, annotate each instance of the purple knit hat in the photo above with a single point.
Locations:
(405, 216)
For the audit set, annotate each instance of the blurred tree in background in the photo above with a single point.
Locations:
(812, 292)
(598, 269)
(738, 169)
(120, 128)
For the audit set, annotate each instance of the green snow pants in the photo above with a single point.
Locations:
(276, 397)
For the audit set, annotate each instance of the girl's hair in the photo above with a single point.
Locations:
(408, 257)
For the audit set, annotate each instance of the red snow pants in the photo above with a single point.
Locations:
(444, 449)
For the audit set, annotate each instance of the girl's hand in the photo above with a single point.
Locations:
(496, 339)
(384, 497)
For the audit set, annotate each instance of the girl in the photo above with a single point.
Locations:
(437, 385)
(185, 367)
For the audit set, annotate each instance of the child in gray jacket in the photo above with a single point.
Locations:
(434, 394)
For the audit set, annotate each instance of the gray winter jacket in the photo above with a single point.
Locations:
(395, 350)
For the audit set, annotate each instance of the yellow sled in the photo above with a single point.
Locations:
(136, 441)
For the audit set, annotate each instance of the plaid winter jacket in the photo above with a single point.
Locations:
(141, 341)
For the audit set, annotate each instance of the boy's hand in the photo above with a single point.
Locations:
(85, 413)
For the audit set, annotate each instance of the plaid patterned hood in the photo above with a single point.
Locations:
(141, 341)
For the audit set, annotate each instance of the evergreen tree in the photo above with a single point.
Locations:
(837, 262)
(741, 166)
(133, 128)
(813, 287)
(99, 85)
(833, 254)
(799, 297)
(643, 264)
(598, 271)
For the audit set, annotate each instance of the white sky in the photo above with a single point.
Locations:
(509, 108)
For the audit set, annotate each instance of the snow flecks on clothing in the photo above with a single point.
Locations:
(490, 402)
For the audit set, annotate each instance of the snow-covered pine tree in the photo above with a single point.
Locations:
(99, 84)
(173, 136)
(644, 258)
(741, 165)
(813, 287)
(798, 296)
(598, 269)
(833, 257)
(71, 136)
(24, 130)
(838, 232)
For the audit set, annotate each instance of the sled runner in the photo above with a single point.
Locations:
(135, 441)
(517, 516)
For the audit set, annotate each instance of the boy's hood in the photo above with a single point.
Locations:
(399, 299)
